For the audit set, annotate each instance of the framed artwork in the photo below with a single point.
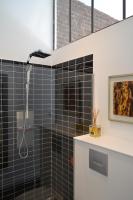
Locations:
(121, 98)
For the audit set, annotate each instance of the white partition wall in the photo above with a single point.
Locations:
(112, 50)
(91, 185)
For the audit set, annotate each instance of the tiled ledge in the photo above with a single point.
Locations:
(109, 142)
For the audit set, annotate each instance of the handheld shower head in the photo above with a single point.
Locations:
(28, 71)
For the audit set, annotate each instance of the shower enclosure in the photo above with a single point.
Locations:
(59, 108)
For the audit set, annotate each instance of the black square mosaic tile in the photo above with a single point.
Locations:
(20, 178)
(60, 104)
(73, 107)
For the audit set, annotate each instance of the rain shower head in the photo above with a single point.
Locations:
(38, 54)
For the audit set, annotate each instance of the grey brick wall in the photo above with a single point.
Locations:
(62, 22)
(81, 21)
(102, 20)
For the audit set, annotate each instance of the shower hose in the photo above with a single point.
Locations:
(23, 142)
(24, 155)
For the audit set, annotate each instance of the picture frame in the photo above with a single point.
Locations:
(120, 104)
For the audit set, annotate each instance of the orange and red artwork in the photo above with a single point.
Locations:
(123, 98)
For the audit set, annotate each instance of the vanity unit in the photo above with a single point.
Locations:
(103, 168)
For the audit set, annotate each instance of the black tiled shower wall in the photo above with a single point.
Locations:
(73, 115)
(60, 99)
(21, 178)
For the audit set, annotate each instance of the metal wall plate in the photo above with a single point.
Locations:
(98, 162)
(29, 130)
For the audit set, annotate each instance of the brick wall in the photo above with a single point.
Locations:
(81, 21)
(62, 22)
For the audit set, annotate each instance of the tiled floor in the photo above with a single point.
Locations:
(38, 194)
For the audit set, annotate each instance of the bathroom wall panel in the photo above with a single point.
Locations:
(20, 178)
(60, 102)
(73, 108)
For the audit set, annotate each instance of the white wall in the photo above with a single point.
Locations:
(25, 26)
(113, 54)
(90, 185)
